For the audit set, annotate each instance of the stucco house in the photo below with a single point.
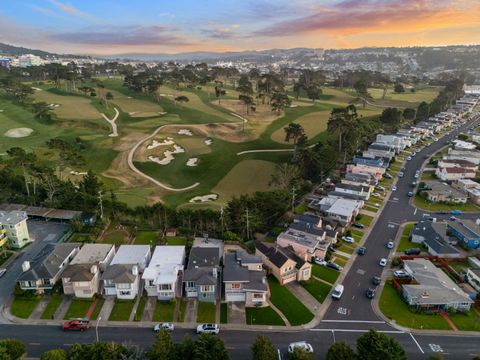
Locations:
(202, 278)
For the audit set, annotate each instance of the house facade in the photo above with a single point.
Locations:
(202, 278)
(164, 275)
(454, 173)
(341, 210)
(14, 229)
(466, 231)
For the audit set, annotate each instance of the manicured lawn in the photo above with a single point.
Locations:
(318, 289)
(468, 322)
(97, 309)
(140, 308)
(429, 175)
(206, 312)
(356, 232)
(340, 260)
(262, 316)
(424, 204)
(164, 311)
(121, 310)
(288, 304)
(223, 313)
(146, 237)
(364, 219)
(346, 249)
(52, 306)
(176, 240)
(78, 308)
(405, 242)
(371, 208)
(23, 307)
(374, 200)
(393, 307)
(117, 238)
(181, 310)
(81, 238)
(324, 273)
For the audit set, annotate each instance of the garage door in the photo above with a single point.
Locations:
(235, 297)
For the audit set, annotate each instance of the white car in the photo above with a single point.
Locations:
(2, 272)
(400, 174)
(400, 274)
(394, 188)
(377, 195)
(383, 262)
(166, 325)
(300, 345)
(208, 329)
(409, 158)
(320, 262)
(390, 245)
(416, 176)
(348, 239)
(338, 291)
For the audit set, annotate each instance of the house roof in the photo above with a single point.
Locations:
(165, 264)
(257, 281)
(360, 178)
(79, 272)
(120, 274)
(246, 258)
(12, 217)
(437, 187)
(463, 163)
(359, 188)
(131, 254)
(233, 270)
(466, 226)
(457, 170)
(434, 236)
(203, 257)
(92, 254)
(307, 218)
(279, 255)
(305, 227)
(340, 206)
(47, 263)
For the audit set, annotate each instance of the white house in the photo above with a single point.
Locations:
(341, 210)
(468, 155)
(163, 276)
(454, 173)
(122, 277)
(13, 226)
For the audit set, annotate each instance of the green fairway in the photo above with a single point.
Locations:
(135, 107)
(288, 304)
(262, 316)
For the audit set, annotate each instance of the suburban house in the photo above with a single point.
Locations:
(363, 192)
(463, 145)
(82, 277)
(14, 229)
(433, 290)
(466, 231)
(283, 263)
(122, 277)
(164, 275)
(369, 161)
(434, 236)
(375, 171)
(394, 141)
(379, 150)
(458, 164)
(440, 192)
(244, 279)
(467, 155)
(43, 272)
(341, 210)
(454, 173)
(473, 278)
(470, 187)
(360, 179)
(203, 274)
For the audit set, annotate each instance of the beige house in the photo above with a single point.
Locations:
(13, 227)
(283, 263)
(82, 277)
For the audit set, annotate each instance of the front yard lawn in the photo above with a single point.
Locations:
(374, 200)
(97, 309)
(319, 290)
(405, 242)
(223, 313)
(52, 306)
(140, 308)
(340, 260)
(182, 307)
(262, 316)
(364, 219)
(467, 322)
(78, 308)
(22, 307)
(424, 204)
(206, 312)
(371, 208)
(324, 273)
(346, 249)
(121, 310)
(288, 304)
(4, 256)
(392, 306)
(164, 311)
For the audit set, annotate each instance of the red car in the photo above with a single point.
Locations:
(76, 324)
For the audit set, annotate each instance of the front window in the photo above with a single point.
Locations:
(190, 284)
(235, 286)
(124, 286)
(258, 296)
(165, 287)
(207, 288)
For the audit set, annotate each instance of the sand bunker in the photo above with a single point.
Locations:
(2, 110)
(18, 132)
(77, 173)
(208, 142)
(204, 198)
(168, 155)
(185, 132)
(192, 162)
(37, 89)
(155, 143)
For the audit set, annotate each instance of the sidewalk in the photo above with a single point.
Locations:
(40, 308)
(107, 308)
(149, 308)
(63, 308)
(304, 296)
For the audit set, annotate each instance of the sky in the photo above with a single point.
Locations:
(109, 27)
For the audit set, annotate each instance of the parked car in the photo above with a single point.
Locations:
(410, 194)
(383, 262)
(387, 176)
(390, 245)
(301, 345)
(456, 212)
(166, 325)
(400, 174)
(362, 250)
(332, 249)
(338, 291)
(379, 187)
(320, 262)
(370, 293)
(2, 272)
(358, 225)
(208, 329)
(442, 212)
(334, 266)
(413, 251)
(348, 239)
(76, 324)
(394, 188)
(376, 280)
(416, 176)
(453, 218)
(414, 183)
(400, 274)
(377, 195)
(409, 158)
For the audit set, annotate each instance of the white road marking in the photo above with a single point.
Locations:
(356, 321)
(361, 272)
(333, 335)
(416, 342)
(415, 211)
(360, 331)
(342, 310)
(436, 348)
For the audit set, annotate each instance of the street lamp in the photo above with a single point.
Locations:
(96, 326)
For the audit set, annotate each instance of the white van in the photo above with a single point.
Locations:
(338, 291)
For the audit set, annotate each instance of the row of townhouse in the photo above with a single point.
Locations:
(97, 269)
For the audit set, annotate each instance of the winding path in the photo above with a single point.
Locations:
(156, 182)
(113, 123)
(269, 150)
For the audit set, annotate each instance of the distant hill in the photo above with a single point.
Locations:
(6, 49)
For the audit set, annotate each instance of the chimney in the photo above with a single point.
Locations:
(214, 272)
(93, 269)
(25, 266)
(477, 221)
(134, 270)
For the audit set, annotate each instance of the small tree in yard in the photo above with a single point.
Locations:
(55, 354)
(163, 347)
(374, 345)
(12, 349)
(262, 349)
(300, 354)
(340, 351)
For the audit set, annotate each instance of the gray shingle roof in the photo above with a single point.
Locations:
(119, 274)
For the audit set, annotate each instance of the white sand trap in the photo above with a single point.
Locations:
(37, 89)
(185, 132)
(169, 95)
(155, 143)
(77, 173)
(18, 132)
(129, 97)
(204, 198)
(168, 155)
(2, 110)
(192, 162)
(133, 113)
(208, 142)
(162, 113)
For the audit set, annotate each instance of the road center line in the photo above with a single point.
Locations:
(356, 321)
(359, 331)
(416, 342)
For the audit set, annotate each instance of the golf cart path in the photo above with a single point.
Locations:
(113, 123)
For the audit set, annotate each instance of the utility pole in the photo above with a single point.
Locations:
(248, 225)
(221, 219)
(293, 198)
(101, 203)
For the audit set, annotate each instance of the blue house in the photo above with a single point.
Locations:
(467, 231)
